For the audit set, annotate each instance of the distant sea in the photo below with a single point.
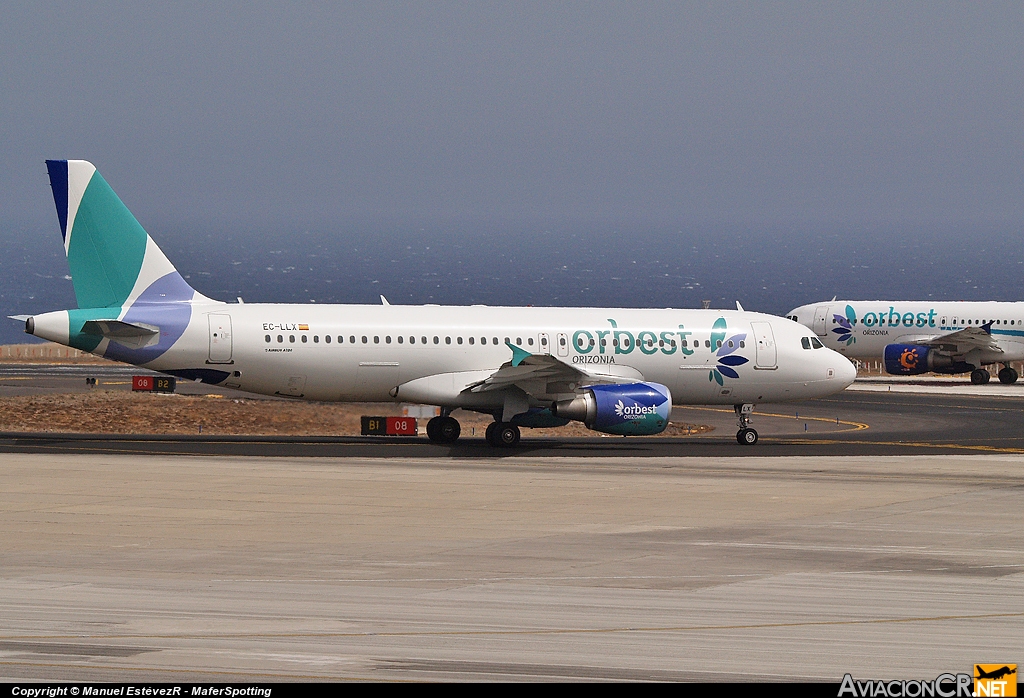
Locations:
(770, 270)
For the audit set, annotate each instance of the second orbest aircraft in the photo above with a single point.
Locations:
(617, 370)
(915, 337)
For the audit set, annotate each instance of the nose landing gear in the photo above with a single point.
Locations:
(746, 435)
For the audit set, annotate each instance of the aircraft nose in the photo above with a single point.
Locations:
(846, 372)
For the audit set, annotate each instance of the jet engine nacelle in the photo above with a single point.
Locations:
(912, 359)
(633, 409)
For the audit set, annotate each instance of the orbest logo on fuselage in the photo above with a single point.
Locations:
(624, 342)
(895, 319)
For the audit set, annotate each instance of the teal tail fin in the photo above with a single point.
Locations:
(113, 260)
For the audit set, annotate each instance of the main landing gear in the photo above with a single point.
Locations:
(443, 430)
(502, 434)
(746, 435)
(980, 376)
(1007, 375)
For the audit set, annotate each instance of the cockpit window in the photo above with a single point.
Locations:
(805, 342)
(816, 343)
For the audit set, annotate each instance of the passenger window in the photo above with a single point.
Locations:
(291, 338)
(495, 341)
(316, 339)
(305, 339)
(460, 340)
(561, 341)
(742, 344)
(529, 341)
(483, 340)
(400, 339)
(376, 339)
(519, 340)
(424, 340)
(707, 343)
(447, 340)
(387, 339)
(673, 343)
(472, 340)
(437, 340)
(805, 342)
(280, 339)
(327, 338)
(268, 339)
(718, 344)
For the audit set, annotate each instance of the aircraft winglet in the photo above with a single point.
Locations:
(518, 355)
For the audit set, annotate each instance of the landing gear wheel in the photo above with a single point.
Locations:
(443, 430)
(503, 435)
(980, 376)
(489, 434)
(1007, 376)
(747, 436)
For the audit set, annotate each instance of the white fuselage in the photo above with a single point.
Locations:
(364, 353)
(875, 324)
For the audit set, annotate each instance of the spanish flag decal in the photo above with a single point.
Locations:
(303, 327)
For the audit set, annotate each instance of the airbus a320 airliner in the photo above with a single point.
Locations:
(618, 371)
(915, 337)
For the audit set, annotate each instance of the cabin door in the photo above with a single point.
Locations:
(220, 338)
(767, 355)
(820, 320)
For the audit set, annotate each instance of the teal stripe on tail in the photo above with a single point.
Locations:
(111, 256)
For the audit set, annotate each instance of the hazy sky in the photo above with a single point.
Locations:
(259, 114)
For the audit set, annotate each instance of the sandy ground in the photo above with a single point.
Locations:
(122, 412)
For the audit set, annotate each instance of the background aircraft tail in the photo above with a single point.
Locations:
(113, 260)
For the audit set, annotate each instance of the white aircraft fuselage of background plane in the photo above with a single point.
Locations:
(617, 370)
(914, 337)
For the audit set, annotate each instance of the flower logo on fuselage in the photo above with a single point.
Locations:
(728, 360)
(844, 331)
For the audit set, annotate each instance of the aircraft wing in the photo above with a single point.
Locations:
(544, 374)
(963, 341)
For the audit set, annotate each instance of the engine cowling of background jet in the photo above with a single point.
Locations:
(914, 359)
(632, 409)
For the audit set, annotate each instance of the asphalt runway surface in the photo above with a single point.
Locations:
(802, 558)
(851, 423)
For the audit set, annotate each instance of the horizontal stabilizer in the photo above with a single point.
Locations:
(132, 335)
